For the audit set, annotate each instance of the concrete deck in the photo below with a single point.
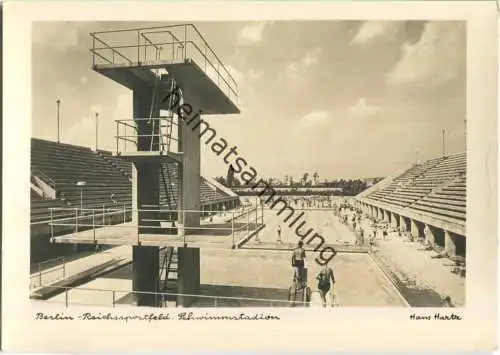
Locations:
(214, 100)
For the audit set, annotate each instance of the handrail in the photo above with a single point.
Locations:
(143, 31)
(211, 50)
(218, 74)
(67, 288)
(112, 49)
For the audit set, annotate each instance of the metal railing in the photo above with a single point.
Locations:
(162, 44)
(103, 297)
(127, 133)
(232, 225)
(45, 273)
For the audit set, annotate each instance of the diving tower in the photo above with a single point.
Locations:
(166, 68)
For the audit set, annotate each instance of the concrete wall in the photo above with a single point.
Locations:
(188, 275)
(189, 145)
(145, 270)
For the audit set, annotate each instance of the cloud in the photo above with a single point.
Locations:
(436, 59)
(373, 30)
(360, 109)
(296, 71)
(314, 119)
(251, 33)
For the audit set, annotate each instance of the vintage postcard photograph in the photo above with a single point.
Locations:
(320, 167)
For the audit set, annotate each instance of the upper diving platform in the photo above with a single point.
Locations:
(132, 56)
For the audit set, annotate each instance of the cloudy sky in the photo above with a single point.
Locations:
(342, 98)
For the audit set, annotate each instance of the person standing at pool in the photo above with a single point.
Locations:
(279, 234)
(326, 285)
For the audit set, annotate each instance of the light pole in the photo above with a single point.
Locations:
(81, 184)
(58, 135)
(96, 129)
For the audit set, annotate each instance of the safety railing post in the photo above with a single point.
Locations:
(51, 223)
(248, 222)
(113, 291)
(76, 220)
(103, 217)
(184, 226)
(138, 47)
(66, 298)
(93, 224)
(117, 135)
(215, 302)
(185, 43)
(173, 47)
(124, 213)
(232, 228)
(256, 216)
(40, 274)
(93, 49)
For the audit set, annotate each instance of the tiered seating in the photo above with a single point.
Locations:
(437, 187)
(40, 210)
(449, 201)
(35, 195)
(68, 164)
(402, 191)
(124, 166)
(104, 174)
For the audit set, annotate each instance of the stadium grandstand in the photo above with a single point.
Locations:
(428, 201)
(56, 169)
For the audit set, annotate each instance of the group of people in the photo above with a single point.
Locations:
(325, 277)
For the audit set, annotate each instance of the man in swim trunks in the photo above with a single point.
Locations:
(298, 258)
(326, 283)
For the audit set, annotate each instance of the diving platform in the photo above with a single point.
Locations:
(218, 230)
(178, 52)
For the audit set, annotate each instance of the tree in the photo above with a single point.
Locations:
(304, 178)
(315, 177)
(221, 180)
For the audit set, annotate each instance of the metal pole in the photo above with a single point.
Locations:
(248, 222)
(40, 274)
(117, 134)
(113, 298)
(58, 133)
(184, 226)
(51, 223)
(93, 223)
(66, 298)
(96, 129)
(64, 268)
(76, 219)
(81, 199)
(93, 48)
(124, 213)
(444, 153)
(103, 221)
(232, 227)
(185, 42)
(138, 47)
